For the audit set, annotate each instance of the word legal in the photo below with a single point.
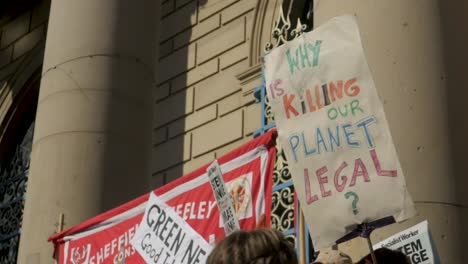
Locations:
(340, 179)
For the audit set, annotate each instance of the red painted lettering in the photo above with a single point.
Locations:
(378, 168)
(336, 92)
(340, 187)
(359, 170)
(309, 198)
(350, 89)
(310, 102)
(287, 100)
(317, 97)
(322, 181)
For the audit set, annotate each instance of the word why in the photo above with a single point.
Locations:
(340, 180)
(331, 138)
(306, 55)
(316, 97)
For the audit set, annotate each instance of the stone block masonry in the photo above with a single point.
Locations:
(199, 62)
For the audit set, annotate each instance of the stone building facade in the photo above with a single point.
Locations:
(104, 74)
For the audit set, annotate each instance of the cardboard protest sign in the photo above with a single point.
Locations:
(164, 237)
(223, 199)
(414, 242)
(333, 129)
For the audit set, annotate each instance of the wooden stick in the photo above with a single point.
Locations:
(60, 228)
(60, 223)
(369, 243)
(302, 237)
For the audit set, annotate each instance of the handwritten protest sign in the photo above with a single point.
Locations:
(164, 237)
(226, 209)
(414, 242)
(333, 129)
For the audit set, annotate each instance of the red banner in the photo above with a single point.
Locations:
(247, 172)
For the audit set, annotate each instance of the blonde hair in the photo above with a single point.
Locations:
(254, 247)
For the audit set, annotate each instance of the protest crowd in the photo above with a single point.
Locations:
(266, 246)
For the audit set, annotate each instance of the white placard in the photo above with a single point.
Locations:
(164, 237)
(414, 242)
(226, 209)
(333, 129)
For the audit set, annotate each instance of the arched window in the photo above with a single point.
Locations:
(15, 149)
(294, 18)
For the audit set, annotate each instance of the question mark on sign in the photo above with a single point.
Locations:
(355, 201)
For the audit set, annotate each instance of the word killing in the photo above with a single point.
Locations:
(315, 97)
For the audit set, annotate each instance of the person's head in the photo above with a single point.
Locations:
(333, 257)
(386, 256)
(264, 246)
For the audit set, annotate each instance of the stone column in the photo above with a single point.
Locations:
(405, 45)
(92, 140)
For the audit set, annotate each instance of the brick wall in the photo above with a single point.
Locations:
(202, 108)
(22, 38)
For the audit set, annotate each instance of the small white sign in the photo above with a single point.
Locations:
(414, 242)
(226, 209)
(164, 237)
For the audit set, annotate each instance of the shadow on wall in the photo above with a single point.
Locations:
(453, 16)
(22, 30)
(172, 98)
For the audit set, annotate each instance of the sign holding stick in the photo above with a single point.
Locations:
(333, 129)
(164, 237)
(226, 209)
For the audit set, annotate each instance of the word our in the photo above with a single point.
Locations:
(331, 138)
(315, 97)
(340, 180)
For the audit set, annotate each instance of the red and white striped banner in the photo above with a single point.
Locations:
(247, 172)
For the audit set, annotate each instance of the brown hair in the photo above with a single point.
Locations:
(254, 247)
